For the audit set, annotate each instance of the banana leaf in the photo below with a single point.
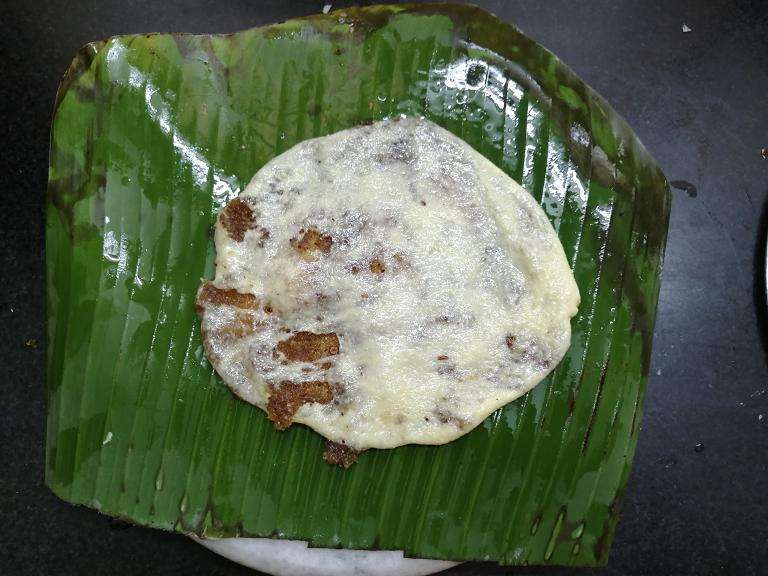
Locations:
(153, 134)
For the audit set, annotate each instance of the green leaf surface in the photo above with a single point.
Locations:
(153, 134)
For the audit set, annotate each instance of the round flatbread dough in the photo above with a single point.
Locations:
(385, 285)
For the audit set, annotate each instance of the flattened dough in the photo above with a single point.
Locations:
(385, 285)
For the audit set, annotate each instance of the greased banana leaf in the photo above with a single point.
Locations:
(153, 134)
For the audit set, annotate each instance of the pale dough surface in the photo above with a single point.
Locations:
(440, 278)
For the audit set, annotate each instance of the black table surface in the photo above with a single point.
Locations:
(696, 502)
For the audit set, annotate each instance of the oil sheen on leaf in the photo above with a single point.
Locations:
(153, 134)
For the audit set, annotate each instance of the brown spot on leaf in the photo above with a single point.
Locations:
(511, 341)
(312, 241)
(603, 543)
(237, 218)
(339, 454)
(286, 399)
(442, 357)
(309, 347)
(210, 294)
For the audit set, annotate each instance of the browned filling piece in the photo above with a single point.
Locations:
(339, 454)
(236, 218)
(377, 266)
(309, 347)
(286, 399)
(312, 241)
(242, 327)
(209, 294)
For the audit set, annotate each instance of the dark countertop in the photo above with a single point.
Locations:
(696, 497)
